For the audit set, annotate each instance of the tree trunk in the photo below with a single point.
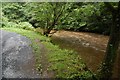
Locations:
(112, 47)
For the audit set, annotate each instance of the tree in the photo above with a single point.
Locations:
(14, 11)
(48, 15)
(113, 43)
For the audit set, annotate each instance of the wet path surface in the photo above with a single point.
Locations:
(17, 57)
(91, 47)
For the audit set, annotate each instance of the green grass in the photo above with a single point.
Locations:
(65, 63)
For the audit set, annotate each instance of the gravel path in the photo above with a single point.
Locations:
(17, 57)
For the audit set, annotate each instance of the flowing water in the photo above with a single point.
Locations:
(92, 54)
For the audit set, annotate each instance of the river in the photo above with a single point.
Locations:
(91, 47)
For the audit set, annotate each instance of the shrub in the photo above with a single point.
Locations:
(26, 26)
(39, 30)
(9, 24)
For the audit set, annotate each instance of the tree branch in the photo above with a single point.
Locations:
(62, 9)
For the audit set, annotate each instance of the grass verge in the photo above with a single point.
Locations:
(65, 63)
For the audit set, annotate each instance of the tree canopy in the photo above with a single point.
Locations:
(77, 16)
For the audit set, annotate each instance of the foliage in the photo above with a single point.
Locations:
(13, 11)
(47, 15)
(26, 25)
(10, 24)
(92, 17)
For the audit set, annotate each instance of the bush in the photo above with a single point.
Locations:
(9, 24)
(39, 30)
(26, 26)
(22, 25)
